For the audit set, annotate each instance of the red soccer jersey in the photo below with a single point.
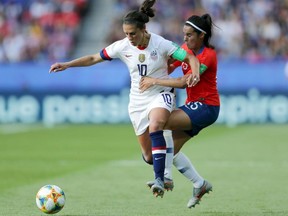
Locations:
(205, 90)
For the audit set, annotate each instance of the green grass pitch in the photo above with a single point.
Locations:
(102, 173)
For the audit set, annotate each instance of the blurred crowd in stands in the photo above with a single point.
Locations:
(35, 30)
(47, 29)
(249, 29)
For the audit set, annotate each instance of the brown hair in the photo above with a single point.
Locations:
(140, 17)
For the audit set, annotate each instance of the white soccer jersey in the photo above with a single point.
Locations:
(152, 62)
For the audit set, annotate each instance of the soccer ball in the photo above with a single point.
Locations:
(50, 199)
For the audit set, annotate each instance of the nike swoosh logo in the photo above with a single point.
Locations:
(128, 56)
(158, 158)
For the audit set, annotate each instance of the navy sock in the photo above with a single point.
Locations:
(158, 153)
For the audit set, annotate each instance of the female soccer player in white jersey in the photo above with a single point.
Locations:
(145, 54)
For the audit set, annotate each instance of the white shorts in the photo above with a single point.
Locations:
(139, 114)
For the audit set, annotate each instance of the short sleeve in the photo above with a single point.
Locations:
(112, 51)
(168, 47)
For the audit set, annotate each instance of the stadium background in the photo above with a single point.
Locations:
(251, 41)
(72, 128)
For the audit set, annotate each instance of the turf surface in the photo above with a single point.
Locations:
(101, 171)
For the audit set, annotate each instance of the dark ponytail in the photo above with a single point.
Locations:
(147, 9)
(141, 17)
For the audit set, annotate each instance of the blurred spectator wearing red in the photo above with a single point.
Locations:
(39, 29)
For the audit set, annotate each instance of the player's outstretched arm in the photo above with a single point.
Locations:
(79, 62)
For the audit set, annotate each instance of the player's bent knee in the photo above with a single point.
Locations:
(148, 161)
(156, 125)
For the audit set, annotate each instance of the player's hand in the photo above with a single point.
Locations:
(193, 79)
(145, 83)
(58, 67)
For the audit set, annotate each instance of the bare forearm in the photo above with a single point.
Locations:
(173, 82)
(194, 64)
(84, 61)
(194, 77)
(147, 82)
(79, 62)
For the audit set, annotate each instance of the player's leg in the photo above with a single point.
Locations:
(182, 162)
(178, 120)
(185, 167)
(157, 119)
(145, 145)
(168, 181)
(200, 116)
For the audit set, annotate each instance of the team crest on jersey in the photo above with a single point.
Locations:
(141, 58)
(153, 55)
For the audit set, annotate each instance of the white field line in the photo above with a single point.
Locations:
(7, 129)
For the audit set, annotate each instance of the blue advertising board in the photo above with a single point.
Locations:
(250, 93)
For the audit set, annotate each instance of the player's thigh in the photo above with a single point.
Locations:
(179, 138)
(159, 110)
(178, 120)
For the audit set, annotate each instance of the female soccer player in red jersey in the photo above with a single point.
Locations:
(202, 104)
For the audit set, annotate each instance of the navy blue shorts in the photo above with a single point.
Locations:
(201, 115)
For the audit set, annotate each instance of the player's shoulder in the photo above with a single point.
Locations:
(158, 39)
(121, 43)
(161, 43)
(156, 36)
(209, 51)
(207, 56)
